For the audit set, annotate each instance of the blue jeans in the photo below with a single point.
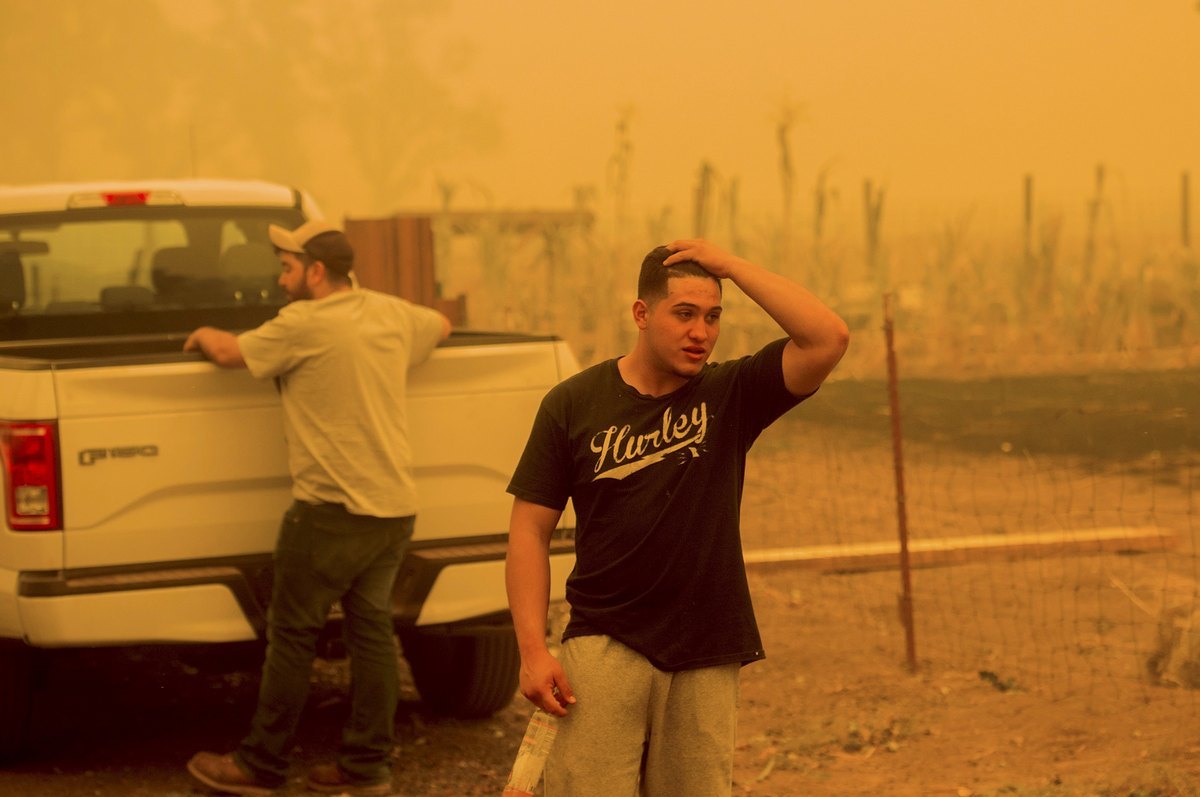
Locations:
(325, 554)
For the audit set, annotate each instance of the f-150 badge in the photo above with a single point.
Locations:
(90, 456)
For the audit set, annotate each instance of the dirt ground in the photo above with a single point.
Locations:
(1030, 678)
(832, 711)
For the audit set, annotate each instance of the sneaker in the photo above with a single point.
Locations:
(224, 774)
(329, 779)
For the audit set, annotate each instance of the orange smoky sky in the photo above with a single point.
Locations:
(380, 105)
(946, 103)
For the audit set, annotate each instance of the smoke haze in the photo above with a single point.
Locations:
(378, 105)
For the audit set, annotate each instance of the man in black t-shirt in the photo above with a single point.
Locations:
(651, 450)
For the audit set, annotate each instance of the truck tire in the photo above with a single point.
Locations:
(463, 675)
(16, 687)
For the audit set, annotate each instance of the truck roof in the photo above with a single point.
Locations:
(192, 192)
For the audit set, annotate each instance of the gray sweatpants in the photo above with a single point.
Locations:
(637, 730)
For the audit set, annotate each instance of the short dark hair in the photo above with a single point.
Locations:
(334, 250)
(652, 280)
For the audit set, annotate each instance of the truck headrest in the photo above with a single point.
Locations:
(12, 282)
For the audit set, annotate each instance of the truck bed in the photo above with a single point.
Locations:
(167, 347)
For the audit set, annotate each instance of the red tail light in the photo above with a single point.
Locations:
(31, 494)
(126, 198)
(113, 199)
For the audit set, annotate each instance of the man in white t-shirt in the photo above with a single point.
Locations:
(341, 356)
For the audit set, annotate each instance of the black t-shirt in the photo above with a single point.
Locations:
(657, 487)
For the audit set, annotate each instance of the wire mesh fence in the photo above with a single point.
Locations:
(1054, 571)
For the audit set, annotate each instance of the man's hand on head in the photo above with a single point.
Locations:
(712, 258)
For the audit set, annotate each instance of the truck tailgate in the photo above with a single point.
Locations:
(183, 461)
(470, 411)
(168, 462)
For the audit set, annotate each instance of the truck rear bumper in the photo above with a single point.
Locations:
(467, 590)
(456, 583)
(201, 613)
(227, 601)
(199, 603)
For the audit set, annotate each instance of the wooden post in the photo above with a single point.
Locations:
(1095, 206)
(1028, 221)
(906, 602)
(1185, 202)
(873, 212)
(705, 183)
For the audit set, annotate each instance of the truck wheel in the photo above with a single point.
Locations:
(466, 676)
(16, 686)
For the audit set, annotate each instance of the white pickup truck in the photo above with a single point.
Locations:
(143, 487)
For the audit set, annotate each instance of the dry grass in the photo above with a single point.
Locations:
(966, 302)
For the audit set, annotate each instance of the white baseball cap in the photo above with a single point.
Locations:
(294, 240)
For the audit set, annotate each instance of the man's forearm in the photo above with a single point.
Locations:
(819, 336)
(217, 345)
(527, 579)
(804, 318)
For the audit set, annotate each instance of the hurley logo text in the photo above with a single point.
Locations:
(622, 453)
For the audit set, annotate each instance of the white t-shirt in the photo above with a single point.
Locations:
(342, 364)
